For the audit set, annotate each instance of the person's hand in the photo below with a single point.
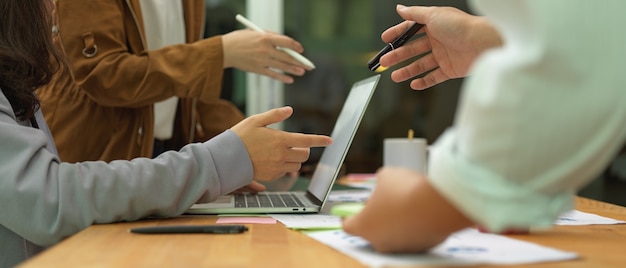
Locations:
(274, 152)
(256, 52)
(254, 187)
(404, 214)
(453, 40)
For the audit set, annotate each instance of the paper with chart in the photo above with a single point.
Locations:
(465, 247)
(462, 248)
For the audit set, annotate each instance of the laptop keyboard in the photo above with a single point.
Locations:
(269, 200)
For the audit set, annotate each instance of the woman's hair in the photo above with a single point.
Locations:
(27, 56)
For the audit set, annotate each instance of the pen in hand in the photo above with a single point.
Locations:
(374, 63)
(289, 51)
(191, 229)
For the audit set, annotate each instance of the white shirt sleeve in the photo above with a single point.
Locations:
(538, 118)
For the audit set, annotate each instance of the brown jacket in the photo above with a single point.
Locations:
(100, 106)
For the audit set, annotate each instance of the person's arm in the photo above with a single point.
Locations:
(405, 214)
(535, 124)
(536, 121)
(45, 200)
(453, 40)
(119, 76)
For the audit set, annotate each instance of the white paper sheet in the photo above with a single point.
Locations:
(576, 217)
(308, 221)
(323, 221)
(349, 195)
(466, 247)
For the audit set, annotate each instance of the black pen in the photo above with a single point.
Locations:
(191, 229)
(374, 64)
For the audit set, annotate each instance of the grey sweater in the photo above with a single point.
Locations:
(43, 200)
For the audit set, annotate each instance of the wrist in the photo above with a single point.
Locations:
(226, 42)
(484, 35)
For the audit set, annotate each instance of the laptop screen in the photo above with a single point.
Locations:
(345, 128)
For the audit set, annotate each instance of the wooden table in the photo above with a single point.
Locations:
(272, 245)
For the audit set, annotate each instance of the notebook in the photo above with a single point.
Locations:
(325, 173)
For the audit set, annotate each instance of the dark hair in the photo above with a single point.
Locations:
(28, 59)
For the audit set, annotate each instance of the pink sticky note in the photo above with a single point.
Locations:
(261, 220)
(360, 176)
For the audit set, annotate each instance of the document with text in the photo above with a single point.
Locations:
(466, 247)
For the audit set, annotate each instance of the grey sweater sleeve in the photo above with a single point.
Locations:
(44, 200)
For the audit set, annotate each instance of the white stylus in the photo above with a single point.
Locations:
(289, 51)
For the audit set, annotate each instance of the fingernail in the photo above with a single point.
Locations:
(400, 7)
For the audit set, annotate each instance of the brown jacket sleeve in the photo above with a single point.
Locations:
(215, 117)
(211, 119)
(121, 73)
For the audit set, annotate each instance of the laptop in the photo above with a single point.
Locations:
(325, 173)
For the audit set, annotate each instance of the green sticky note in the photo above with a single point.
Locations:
(346, 209)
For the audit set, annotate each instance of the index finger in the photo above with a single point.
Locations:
(390, 34)
(419, 14)
(307, 140)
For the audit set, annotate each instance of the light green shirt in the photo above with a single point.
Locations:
(539, 117)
